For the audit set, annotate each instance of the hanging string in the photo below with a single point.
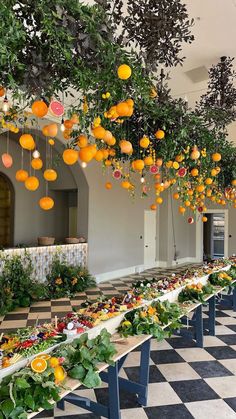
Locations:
(173, 227)
(22, 158)
(8, 142)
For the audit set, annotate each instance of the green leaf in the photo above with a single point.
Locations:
(7, 406)
(77, 372)
(29, 401)
(92, 379)
(22, 383)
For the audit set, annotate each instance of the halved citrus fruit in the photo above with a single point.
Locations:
(39, 365)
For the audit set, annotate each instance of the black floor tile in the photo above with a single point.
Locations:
(208, 369)
(233, 327)
(228, 339)
(180, 342)
(32, 322)
(127, 400)
(45, 414)
(174, 411)
(16, 316)
(82, 416)
(193, 390)
(166, 357)
(231, 401)
(60, 303)
(221, 352)
(41, 309)
(220, 313)
(155, 376)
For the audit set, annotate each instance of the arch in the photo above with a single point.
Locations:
(7, 204)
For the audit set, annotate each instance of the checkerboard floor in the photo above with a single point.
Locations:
(185, 381)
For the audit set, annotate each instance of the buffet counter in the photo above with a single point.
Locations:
(42, 256)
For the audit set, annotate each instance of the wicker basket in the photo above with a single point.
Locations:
(46, 241)
(71, 240)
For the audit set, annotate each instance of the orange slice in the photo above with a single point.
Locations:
(39, 365)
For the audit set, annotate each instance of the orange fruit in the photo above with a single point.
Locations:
(190, 192)
(82, 141)
(27, 142)
(159, 200)
(126, 146)
(176, 165)
(51, 141)
(105, 153)
(70, 156)
(50, 175)
(208, 181)
(182, 210)
(107, 163)
(204, 219)
(159, 162)
(108, 185)
(194, 172)
(86, 154)
(169, 164)
(216, 157)
(130, 102)
(111, 141)
(200, 188)
(107, 136)
(208, 193)
(144, 142)
(98, 132)
(138, 165)
(46, 203)
(39, 365)
(31, 183)
(75, 118)
(179, 158)
(39, 108)
(159, 187)
(233, 182)
(195, 154)
(176, 195)
(187, 203)
(153, 207)
(37, 164)
(213, 172)
(125, 184)
(148, 161)
(68, 124)
(99, 155)
(124, 72)
(160, 134)
(123, 109)
(218, 169)
(21, 175)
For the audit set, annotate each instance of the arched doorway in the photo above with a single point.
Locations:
(6, 211)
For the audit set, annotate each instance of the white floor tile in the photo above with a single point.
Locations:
(210, 408)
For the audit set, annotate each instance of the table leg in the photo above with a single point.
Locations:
(199, 327)
(212, 316)
(234, 298)
(144, 372)
(113, 389)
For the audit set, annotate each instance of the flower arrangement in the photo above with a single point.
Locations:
(195, 293)
(66, 280)
(152, 320)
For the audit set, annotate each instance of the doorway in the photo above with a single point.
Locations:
(215, 243)
(149, 239)
(6, 212)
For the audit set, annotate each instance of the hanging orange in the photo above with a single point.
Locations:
(21, 175)
(123, 109)
(37, 164)
(148, 161)
(82, 141)
(216, 157)
(105, 153)
(159, 200)
(107, 136)
(39, 108)
(159, 162)
(32, 183)
(75, 118)
(195, 154)
(7, 160)
(126, 147)
(124, 72)
(50, 175)
(86, 154)
(98, 132)
(70, 156)
(144, 142)
(160, 134)
(99, 155)
(182, 210)
(59, 374)
(126, 184)
(204, 219)
(68, 123)
(50, 130)
(130, 102)
(233, 182)
(153, 207)
(194, 172)
(111, 142)
(46, 203)
(176, 195)
(27, 142)
(108, 185)
(138, 165)
(39, 365)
